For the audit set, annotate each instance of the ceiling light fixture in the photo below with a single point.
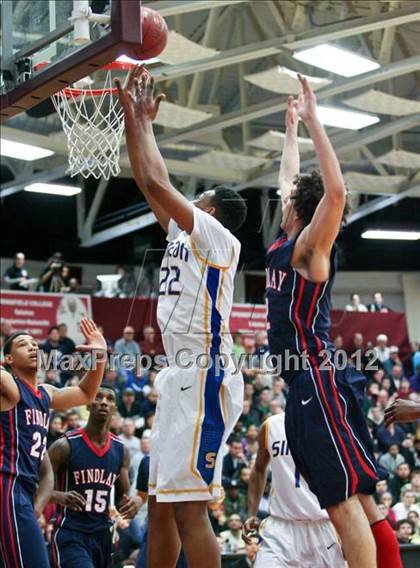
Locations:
(344, 118)
(53, 189)
(337, 60)
(20, 151)
(391, 235)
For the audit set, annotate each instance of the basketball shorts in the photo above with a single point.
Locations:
(195, 414)
(327, 432)
(21, 542)
(298, 544)
(75, 549)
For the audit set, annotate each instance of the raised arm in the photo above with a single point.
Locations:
(9, 391)
(290, 161)
(59, 453)
(45, 486)
(316, 240)
(149, 170)
(85, 392)
(256, 485)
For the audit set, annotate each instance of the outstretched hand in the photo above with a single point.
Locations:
(137, 94)
(94, 338)
(305, 104)
(292, 118)
(402, 411)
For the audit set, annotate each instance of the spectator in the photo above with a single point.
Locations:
(378, 305)
(401, 478)
(244, 477)
(251, 550)
(405, 389)
(391, 460)
(415, 380)
(247, 418)
(263, 407)
(389, 435)
(232, 537)
(72, 420)
(250, 442)
(67, 345)
(279, 393)
(235, 502)
(381, 350)
(73, 287)
(127, 282)
(52, 378)
(149, 405)
(237, 347)
(355, 304)
(407, 504)
(143, 449)
(338, 342)
(386, 500)
(109, 343)
(233, 461)
(6, 329)
(111, 380)
(261, 343)
(415, 355)
(52, 343)
(414, 517)
(55, 429)
(394, 359)
(404, 531)
(218, 520)
(128, 407)
(16, 276)
(139, 383)
(116, 424)
(50, 279)
(131, 442)
(65, 277)
(150, 344)
(397, 374)
(128, 347)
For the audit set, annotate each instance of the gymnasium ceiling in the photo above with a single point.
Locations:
(242, 38)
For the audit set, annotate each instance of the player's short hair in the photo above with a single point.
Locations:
(8, 344)
(110, 388)
(308, 192)
(230, 207)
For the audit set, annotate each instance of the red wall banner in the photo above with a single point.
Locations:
(36, 313)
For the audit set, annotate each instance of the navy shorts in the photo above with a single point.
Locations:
(75, 549)
(21, 542)
(327, 432)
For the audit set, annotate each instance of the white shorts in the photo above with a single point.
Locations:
(298, 544)
(195, 415)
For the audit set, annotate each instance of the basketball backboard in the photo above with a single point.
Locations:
(47, 45)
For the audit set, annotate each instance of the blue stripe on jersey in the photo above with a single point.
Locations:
(213, 424)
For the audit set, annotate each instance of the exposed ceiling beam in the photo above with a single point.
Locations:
(273, 106)
(119, 230)
(289, 41)
(183, 7)
(382, 202)
(371, 135)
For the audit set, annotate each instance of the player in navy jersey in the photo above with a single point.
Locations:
(88, 463)
(24, 418)
(325, 426)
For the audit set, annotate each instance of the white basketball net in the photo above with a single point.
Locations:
(93, 126)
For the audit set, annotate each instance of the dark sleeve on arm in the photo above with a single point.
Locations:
(143, 475)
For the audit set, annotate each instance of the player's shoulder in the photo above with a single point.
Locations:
(115, 438)
(73, 434)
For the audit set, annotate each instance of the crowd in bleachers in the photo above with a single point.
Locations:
(397, 446)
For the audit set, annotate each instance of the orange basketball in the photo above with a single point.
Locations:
(154, 32)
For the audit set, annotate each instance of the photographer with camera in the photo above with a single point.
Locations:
(51, 278)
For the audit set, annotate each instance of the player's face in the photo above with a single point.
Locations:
(24, 353)
(288, 214)
(103, 407)
(204, 202)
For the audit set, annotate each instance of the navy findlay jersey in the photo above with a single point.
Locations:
(298, 310)
(91, 472)
(23, 436)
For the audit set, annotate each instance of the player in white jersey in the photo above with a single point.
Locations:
(198, 405)
(298, 533)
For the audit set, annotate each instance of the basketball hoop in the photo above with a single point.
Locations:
(93, 122)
